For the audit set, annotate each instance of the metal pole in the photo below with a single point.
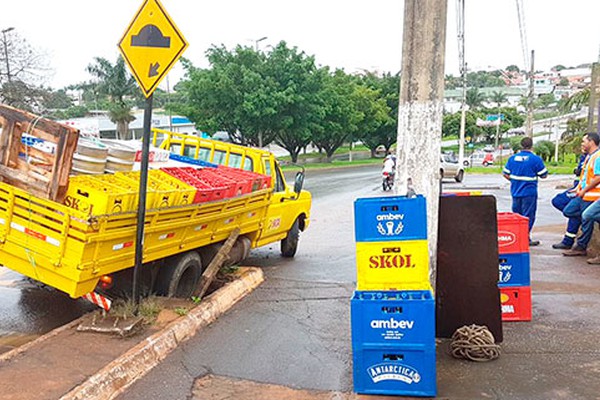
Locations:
(530, 99)
(557, 141)
(139, 240)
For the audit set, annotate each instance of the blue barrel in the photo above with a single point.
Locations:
(390, 218)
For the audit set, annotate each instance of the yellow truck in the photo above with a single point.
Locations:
(74, 250)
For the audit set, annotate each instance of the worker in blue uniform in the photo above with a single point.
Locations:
(560, 201)
(523, 170)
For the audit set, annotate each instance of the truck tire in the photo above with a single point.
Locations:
(289, 245)
(180, 276)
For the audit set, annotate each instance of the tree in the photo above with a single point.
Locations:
(253, 96)
(386, 133)
(512, 68)
(544, 149)
(116, 82)
(498, 98)
(474, 98)
(577, 100)
(22, 69)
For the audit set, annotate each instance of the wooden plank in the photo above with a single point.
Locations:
(216, 263)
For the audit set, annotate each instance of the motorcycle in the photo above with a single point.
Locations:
(388, 180)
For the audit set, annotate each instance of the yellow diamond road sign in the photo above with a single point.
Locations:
(151, 45)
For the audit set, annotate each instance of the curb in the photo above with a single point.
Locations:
(116, 377)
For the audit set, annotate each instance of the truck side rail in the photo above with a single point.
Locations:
(67, 250)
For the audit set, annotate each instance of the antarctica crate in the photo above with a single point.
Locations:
(514, 270)
(390, 218)
(392, 265)
(392, 317)
(516, 303)
(395, 370)
(513, 233)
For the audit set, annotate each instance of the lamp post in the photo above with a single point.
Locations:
(4, 32)
(257, 41)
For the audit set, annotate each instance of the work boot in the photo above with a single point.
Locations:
(561, 246)
(575, 251)
(533, 243)
(595, 260)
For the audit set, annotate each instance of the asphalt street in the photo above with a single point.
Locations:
(294, 329)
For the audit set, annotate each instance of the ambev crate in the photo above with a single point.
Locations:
(390, 218)
(514, 270)
(395, 370)
(392, 317)
(516, 303)
(94, 197)
(392, 265)
(513, 233)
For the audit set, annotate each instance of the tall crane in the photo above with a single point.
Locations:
(460, 28)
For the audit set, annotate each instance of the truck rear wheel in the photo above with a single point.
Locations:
(180, 277)
(289, 245)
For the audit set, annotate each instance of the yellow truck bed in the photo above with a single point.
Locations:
(69, 250)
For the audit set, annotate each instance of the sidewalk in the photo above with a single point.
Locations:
(555, 356)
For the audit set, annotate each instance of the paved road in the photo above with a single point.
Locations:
(294, 330)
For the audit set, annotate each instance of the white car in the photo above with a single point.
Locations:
(450, 168)
(479, 159)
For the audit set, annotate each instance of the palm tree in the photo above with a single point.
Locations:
(577, 100)
(474, 98)
(117, 83)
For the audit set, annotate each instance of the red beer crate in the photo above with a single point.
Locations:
(204, 191)
(226, 188)
(239, 184)
(259, 181)
(513, 233)
(516, 303)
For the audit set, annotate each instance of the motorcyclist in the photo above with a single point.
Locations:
(389, 169)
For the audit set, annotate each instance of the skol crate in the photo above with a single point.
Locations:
(395, 370)
(516, 303)
(393, 265)
(513, 233)
(390, 218)
(94, 197)
(514, 270)
(393, 317)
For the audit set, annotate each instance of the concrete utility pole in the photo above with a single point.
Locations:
(594, 94)
(421, 107)
(530, 98)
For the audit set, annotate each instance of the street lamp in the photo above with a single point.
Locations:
(4, 32)
(257, 41)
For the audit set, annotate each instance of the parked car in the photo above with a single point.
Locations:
(450, 168)
(479, 159)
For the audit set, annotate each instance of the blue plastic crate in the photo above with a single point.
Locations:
(514, 270)
(395, 370)
(390, 218)
(190, 160)
(393, 317)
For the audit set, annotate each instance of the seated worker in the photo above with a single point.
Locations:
(560, 201)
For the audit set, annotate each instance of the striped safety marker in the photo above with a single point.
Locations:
(99, 300)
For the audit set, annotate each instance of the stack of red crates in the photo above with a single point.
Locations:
(514, 267)
(205, 191)
(258, 181)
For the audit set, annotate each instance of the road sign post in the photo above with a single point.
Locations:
(151, 45)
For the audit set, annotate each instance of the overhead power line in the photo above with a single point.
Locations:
(523, 33)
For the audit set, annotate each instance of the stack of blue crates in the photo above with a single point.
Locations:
(393, 327)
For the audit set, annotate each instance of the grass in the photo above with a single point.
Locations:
(149, 308)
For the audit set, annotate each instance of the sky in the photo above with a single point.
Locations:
(351, 34)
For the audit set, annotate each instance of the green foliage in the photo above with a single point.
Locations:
(474, 98)
(544, 101)
(544, 149)
(116, 83)
(515, 143)
(481, 79)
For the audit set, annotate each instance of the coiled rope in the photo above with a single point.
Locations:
(474, 343)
